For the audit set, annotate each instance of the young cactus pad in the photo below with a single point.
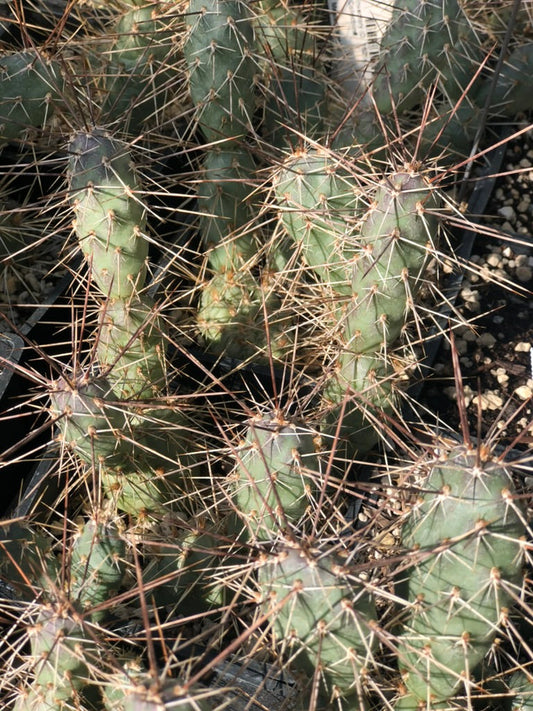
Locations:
(276, 474)
(97, 566)
(88, 422)
(220, 66)
(110, 220)
(320, 203)
(30, 86)
(427, 41)
(322, 620)
(468, 533)
(131, 344)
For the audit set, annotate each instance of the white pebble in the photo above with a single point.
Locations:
(522, 347)
(523, 392)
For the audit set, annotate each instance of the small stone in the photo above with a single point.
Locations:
(469, 336)
(525, 163)
(507, 212)
(489, 400)
(524, 392)
(522, 206)
(524, 274)
(486, 339)
(493, 260)
(501, 375)
(522, 347)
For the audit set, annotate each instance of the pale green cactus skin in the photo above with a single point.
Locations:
(470, 535)
(87, 420)
(61, 649)
(218, 52)
(292, 73)
(97, 566)
(276, 475)
(110, 219)
(139, 69)
(521, 686)
(407, 66)
(319, 204)
(397, 237)
(131, 344)
(224, 196)
(327, 618)
(31, 88)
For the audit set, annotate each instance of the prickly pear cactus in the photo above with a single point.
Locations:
(218, 52)
(31, 87)
(224, 196)
(90, 420)
(466, 534)
(131, 344)
(110, 219)
(322, 621)
(276, 476)
(320, 203)
(406, 67)
(292, 80)
(398, 235)
(61, 651)
(97, 566)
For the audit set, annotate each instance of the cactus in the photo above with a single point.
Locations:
(218, 52)
(276, 475)
(426, 42)
(322, 621)
(97, 566)
(466, 533)
(61, 651)
(224, 195)
(27, 560)
(110, 219)
(292, 75)
(521, 687)
(90, 419)
(138, 73)
(320, 202)
(398, 234)
(32, 86)
(131, 344)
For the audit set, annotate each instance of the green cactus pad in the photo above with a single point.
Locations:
(357, 396)
(469, 533)
(231, 318)
(110, 220)
(30, 88)
(224, 195)
(220, 66)
(427, 42)
(61, 649)
(398, 236)
(521, 686)
(131, 344)
(275, 475)
(327, 618)
(91, 421)
(97, 566)
(320, 203)
(139, 71)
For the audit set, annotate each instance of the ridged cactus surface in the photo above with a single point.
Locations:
(321, 620)
(468, 534)
(110, 219)
(276, 474)
(218, 52)
(31, 86)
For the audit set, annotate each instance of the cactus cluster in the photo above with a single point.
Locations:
(201, 526)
